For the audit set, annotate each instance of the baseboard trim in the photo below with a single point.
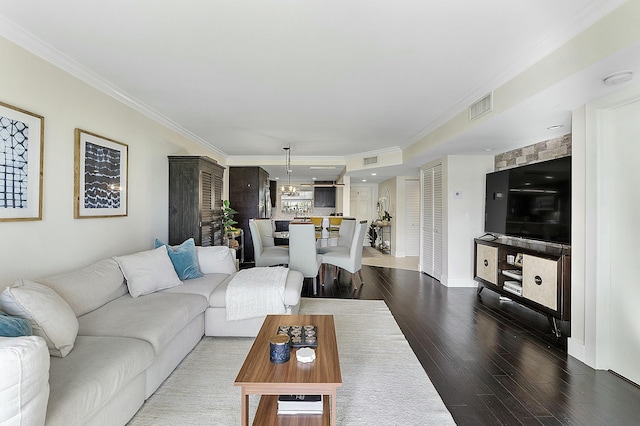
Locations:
(460, 282)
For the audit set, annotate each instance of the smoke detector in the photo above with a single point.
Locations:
(617, 78)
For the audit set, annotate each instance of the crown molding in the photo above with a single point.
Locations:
(278, 159)
(545, 46)
(43, 50)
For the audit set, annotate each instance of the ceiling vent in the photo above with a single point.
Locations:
(370, 160)
(481, 107)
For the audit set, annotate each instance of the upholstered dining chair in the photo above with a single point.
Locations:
(334, 224)
(302, 252)
(266, 255)
(317, 222)
(265, 227)
(345, 235)
(350, 260)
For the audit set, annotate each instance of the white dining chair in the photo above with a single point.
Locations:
(350, 260)
(265, 227)
(345, 235)
(302, 252)
(266, 255)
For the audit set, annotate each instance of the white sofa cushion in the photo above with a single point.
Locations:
(155, 318)
(24, 380)
(50, 316)
(88, 288)
(216, 260)
(98, 369)
(148, 271)
(203, 286)
(184, 259)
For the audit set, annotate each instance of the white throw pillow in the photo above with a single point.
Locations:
(148, 271)
(216, 260)
(50, 316)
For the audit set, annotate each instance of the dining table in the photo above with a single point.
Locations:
(323, 237)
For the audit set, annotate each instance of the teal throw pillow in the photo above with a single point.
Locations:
(184, 259)
(14, 326)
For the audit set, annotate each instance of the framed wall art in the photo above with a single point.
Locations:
(101, 176)
(21, 160)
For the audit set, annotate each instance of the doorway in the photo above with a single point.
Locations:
(620, 180)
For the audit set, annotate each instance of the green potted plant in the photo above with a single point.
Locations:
(386, 218)
(227, 219)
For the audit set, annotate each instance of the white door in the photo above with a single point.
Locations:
(431, 255)
(623, 180)
(360, 199)
(361, 202)
(412, 218)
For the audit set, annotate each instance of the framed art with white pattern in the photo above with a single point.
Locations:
(101, 176)
(21, 161)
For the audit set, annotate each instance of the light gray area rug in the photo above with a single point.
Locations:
(383, 381)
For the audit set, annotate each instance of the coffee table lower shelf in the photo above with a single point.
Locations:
(267, 414)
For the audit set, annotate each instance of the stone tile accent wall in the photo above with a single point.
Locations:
(541, 151)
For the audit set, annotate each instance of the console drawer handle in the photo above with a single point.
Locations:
(486, 262)
(537, 280)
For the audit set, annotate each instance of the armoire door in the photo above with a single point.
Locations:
(195, 203)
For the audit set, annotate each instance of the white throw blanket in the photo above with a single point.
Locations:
(255, 292)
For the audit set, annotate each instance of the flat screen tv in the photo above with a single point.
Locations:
(532, 201)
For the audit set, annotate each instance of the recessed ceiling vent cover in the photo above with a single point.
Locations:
(481, 107)
(370, 160)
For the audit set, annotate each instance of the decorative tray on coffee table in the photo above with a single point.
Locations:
(300, 336)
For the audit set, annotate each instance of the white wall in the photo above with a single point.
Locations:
(59, 242)
(463, 195)
(399, 219)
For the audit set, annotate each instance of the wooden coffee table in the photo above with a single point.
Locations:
(258, 375)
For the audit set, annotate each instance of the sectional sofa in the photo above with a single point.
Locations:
(106, 336)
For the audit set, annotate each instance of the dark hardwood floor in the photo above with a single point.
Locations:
(493, 362)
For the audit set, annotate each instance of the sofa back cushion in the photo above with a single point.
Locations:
(216, 260)
(148, 271)
(89, 288)
(24, 388)
(50, 316)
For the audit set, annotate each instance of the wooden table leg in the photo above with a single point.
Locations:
(333, 409)
(244, 421)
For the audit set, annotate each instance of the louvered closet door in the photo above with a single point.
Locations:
(431, 256)
(426, 255)
(437, 222)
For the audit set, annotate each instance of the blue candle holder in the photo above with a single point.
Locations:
(279, 349)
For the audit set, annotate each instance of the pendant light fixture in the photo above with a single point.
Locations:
(289, 189)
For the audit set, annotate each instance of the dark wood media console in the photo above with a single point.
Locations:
(531, 273)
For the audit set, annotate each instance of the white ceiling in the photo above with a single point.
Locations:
(332, 78)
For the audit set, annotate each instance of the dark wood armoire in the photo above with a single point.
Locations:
(195, 200)
(249, 196)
